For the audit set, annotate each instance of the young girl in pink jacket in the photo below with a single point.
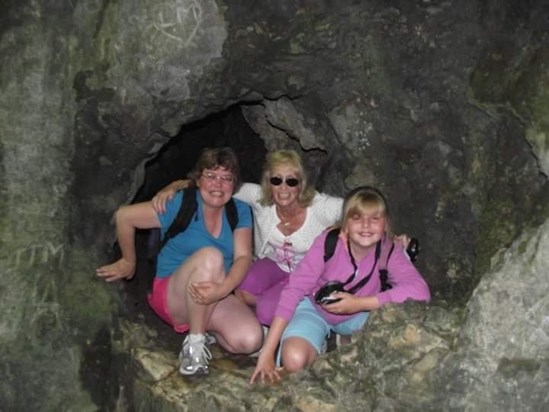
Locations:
(337, 295)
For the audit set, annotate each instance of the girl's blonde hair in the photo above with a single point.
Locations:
(362, 199)
(285, 158)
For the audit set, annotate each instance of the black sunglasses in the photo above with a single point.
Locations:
(290, 181)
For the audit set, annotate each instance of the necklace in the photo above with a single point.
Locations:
(292, 219)
(285, 221)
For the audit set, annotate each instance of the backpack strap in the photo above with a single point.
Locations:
(387, 249)
(184, 216)
(232, 213)
(187, 212)
(330, 243)
(367, 278)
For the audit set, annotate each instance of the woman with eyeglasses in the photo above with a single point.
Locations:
(198, 268)
(288, 215)
(337, 295)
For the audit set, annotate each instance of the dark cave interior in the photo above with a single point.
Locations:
(177, 157)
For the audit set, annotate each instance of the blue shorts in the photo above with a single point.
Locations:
(308, 324)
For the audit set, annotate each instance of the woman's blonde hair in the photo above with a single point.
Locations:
(365, 198)
(285, 158)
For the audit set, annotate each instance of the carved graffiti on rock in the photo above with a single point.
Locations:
(43, 253)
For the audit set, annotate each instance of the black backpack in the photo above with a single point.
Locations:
(186, 213)
(386, 252)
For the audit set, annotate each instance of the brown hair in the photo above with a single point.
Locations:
(214, 158)
(287, 158)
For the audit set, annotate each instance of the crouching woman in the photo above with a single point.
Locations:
(198, 268)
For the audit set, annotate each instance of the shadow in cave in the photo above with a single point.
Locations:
(174, 161)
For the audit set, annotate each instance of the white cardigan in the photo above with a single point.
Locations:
(324, 211)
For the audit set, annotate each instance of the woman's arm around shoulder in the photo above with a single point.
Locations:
(167, 193)
(327, 208)
(249, 193)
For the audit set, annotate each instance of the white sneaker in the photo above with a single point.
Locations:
(194, 355)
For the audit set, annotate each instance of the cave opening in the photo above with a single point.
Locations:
(174, 161)
(228, 128)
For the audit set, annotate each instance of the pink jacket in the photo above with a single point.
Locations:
(312, 273)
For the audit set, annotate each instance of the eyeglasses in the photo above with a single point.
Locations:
(290, 181)
(212, 177)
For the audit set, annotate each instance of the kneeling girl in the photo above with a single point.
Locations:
(301, 324)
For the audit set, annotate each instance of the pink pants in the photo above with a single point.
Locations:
(265, 280)
(158, 299)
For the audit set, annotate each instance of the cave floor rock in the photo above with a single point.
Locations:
(152, 347)
(151, 380)
(157, 385)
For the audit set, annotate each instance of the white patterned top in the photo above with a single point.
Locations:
(269, 242)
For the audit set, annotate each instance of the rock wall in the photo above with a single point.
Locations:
(53, 308)
(442, 104)
(500, 358)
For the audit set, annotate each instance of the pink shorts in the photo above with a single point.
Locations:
(158, 299)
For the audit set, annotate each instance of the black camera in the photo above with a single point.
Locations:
(413, 249)
(323, 294)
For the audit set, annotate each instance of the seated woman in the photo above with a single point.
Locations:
(302, 322)
(198, 268)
